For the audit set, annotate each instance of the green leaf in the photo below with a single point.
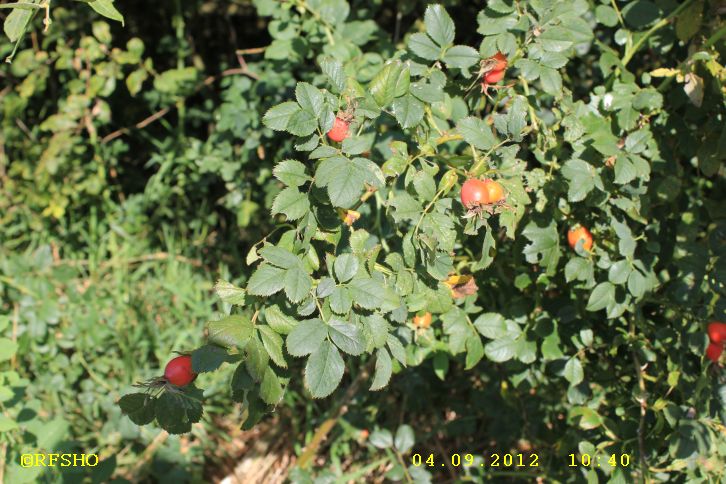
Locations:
(545, 242)
(573, 371)
(344, 179)
(17, 21)
(555, 39)
(324, 370)
(291, 173)
(422, 45)
(292, 203)
(302, 123)
(271, 390)
(340, 300)
(637, 283)
(7, 348)
(408, 111)
(107, 9)
(383, 370)
(474, 351)
(491, 325)
(278, 117)
(619, 272)
(306, 337)
(279, 321)
(273, 344)
(391, 82)
(208, 358)
(581, 176)
(345, 266)
(334, 70)
(439, 25)
(230, 293)
(233, 330)
(689, 21)
(258, 359)
(266, 280)
(461, 56)
(501, 350)
(297, 283)
(280, 257)
(139, 407)
(601, 296)
(476, 132)
(347, 336)
(367, 292)
(404, 439)
(176, 413)
(7, 424)
(309, 98)
(381, 438)
(397, 349)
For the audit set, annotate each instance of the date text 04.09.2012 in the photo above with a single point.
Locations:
(466, 460)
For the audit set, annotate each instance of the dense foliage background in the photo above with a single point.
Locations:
(136, 170)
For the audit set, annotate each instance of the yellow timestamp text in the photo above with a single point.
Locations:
(587, 460)
(471, 460)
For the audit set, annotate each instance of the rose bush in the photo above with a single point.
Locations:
(603, 131)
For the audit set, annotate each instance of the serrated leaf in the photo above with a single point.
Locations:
(346, 336)
(266, 280)
(501, 350)
(230, 293)
(324, 370)
(601, 296)
(17, 21)
(408, 111)
(208, 358)
(573, 371)
(439, 25)
(306, 337)
(278, 117)
(279, 257)
(476, 132)
(491, 325)
(340, 300)
(291, 173)
(292, 203)
(581, 176)
(297, 283)
(107, 9)
(397, 349)
(461, 57)
(544, 248)
(404, 439)
(271, 390)
(302, 123)
(273, 344)
(231, 331)
(309, 98)
(422, 45)
(367, 292)
(279, 321)
(334, 70)
(139, 407)
(345, 266)
(392, 81)
(383, 370)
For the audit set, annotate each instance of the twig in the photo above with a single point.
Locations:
(252, 50)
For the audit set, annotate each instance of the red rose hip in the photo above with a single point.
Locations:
(713, 352)
(179, 371)
(339, 131)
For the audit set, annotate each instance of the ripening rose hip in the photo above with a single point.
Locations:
(577, 234)
(339, 131)
(423, 321)
(179, 371)
(713, 352)
(717, 332)
(495, 191)
(492, 77)
(501, 61)
(474, 192)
